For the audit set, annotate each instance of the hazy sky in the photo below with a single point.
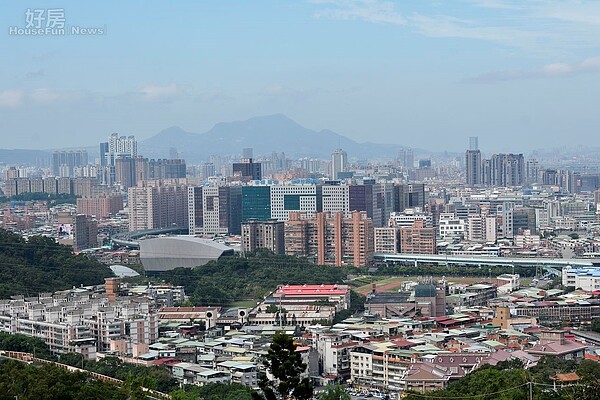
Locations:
(429, 74)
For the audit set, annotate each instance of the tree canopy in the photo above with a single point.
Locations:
(334, 392)
(451, 270)
(214, 392)
(232, 279)
(25, 344)
(39, 264)
(508, 380)
(285, 365)
(46, 382)
(156, 378)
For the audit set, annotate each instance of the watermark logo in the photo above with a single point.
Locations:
(51, 22)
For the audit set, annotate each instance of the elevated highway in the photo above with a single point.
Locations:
(440, 259)
(130, 239)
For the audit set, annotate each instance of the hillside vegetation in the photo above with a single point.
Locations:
(233, 279)
(39, 264)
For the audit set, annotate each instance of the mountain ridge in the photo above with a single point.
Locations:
(265, 134)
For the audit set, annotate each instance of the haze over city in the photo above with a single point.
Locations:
(425, 74)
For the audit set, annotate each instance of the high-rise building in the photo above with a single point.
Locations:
(85, 232)
(36, 185)
(263, 235)
(473, 143)
(329, 238)
(339, 163)
(85, 187)
(173, 153)
(63, 162)
(336, 198)
(418, 239)
(406, 158)
(50, 185)
(103, 153)
(247, 170)
(167, 169)
(286, 198)
(524, 219)
(475, 228)
(491, 228)
(425, 163)
(410, 195)
(247, 152)
(377, 199)
(215, 210)
(12, 173)
(120, 146)
(387, 240)
(504, 170)
(533, 170)
(473, 164)
(549, 176)
(506, 212)
(157, 204)
(10, 187)
(100, 206)
(64, 185)
(256, 203)
(125, 172)
(207, 170)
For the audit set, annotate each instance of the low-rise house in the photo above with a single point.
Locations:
(194, 374)
(242, 373)
(554, 343)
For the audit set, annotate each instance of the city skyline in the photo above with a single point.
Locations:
(419, 74)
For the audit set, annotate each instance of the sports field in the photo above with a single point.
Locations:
(363, 284)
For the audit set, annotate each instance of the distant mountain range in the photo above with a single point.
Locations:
(265, 135)
(25, 157)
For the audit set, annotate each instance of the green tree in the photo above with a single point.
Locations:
(39, 264)
(589, 371)
(25, 344)
(486, 383)
(214, 392)
(286, 367)
(550, 366)
(234, 278)
(272, 309)
(47, 382)
(596, 324)
(334, 392)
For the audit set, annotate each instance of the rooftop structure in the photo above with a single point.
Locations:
(170, 252)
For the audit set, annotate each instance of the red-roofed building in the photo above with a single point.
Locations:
(309, 294)
(301, 305)
(186, 314)
(554, 343)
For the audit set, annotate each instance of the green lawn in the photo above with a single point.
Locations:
(244, 304)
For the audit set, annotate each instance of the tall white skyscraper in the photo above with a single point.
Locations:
(120, 146)
(474, 143)
(339, 163)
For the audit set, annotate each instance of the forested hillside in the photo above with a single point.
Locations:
(40, 264)
(46, 382)
(232, 279)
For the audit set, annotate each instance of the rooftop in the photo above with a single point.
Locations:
(290, 290)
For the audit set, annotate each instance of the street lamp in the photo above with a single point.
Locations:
(281, 296)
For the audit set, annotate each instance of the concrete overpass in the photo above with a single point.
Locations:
(130, 239)
(440, 259)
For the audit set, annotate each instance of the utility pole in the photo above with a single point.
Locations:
(530, 390)
(280, 309)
